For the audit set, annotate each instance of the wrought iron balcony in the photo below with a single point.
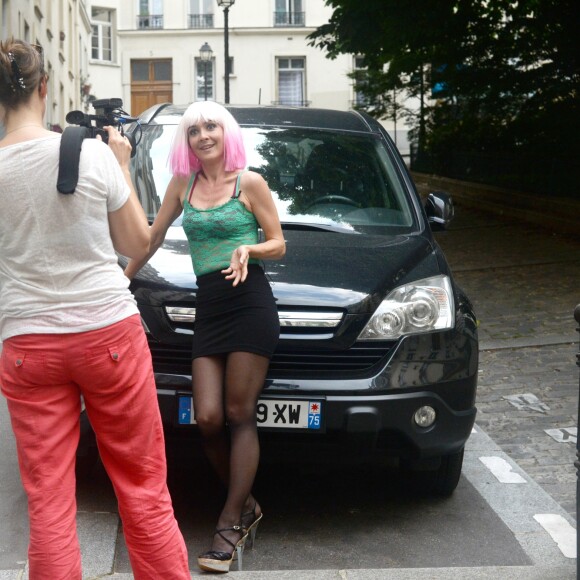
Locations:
(288, 18)
(151, 21)
(292, 103)
(201, 21)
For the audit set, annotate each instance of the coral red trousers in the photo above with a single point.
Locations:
(43, 377)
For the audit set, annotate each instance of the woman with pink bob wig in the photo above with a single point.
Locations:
(236, 324)
(182, 159)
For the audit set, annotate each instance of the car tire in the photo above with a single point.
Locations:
(441, 481)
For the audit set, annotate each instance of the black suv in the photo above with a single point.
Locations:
(378, 353)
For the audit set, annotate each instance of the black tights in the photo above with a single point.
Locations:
(226, 389)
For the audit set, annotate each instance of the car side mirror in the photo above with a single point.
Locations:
(440, 210)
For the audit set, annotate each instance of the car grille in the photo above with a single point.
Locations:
(182, 319)
(286, 363)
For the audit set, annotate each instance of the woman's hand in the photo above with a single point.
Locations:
(238, 270)
(120, 145)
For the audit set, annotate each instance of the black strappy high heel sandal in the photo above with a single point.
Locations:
(216, 561)
(250, 523)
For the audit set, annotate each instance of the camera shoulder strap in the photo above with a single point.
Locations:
(70, 153)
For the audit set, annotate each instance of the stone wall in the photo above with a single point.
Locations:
(559, 214)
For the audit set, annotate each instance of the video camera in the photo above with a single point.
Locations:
(108, 112)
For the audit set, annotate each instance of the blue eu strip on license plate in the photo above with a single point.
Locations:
(185, 411)
(272, 413)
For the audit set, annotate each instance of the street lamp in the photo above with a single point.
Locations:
(225, 4)
(205, 54)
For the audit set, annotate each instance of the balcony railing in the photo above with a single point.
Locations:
(149, 22)
(291, 103)
(201, 21)
(288, 18)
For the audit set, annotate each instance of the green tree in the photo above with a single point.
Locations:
(503, 74)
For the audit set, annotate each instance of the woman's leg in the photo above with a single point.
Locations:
(208, 374)
(244, 381)
(208, 400)
(117, 382)
(44, 409)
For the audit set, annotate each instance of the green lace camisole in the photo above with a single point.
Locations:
(213, 234)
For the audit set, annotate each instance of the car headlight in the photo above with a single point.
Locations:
(422, 306)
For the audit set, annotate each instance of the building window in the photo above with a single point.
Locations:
(102, 34)
(201, 13)
(150, 14)
(289, 13)
(151, 71)
(291, 82)
(204, 80)
(360, 100)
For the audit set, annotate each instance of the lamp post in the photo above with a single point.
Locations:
(205, 54)
(225, 4)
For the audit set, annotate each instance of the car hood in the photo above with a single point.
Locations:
(320, 268)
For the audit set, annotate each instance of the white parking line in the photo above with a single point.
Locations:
(565, 435)
(518, 505)
(527, 401)
(561, 532)
(502, 470)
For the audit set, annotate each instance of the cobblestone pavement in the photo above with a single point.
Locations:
(524, 283)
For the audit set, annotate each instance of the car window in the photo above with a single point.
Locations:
(316, 177)
(149, 168)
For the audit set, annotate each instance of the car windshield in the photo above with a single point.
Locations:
(344, 181)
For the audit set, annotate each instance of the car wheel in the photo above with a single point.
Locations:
(441, 481)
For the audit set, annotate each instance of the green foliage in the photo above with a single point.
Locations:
(507, 70)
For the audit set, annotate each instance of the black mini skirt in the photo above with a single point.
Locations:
(233, 319)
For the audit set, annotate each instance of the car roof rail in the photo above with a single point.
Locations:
(149, 114)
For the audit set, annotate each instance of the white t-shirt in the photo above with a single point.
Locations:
(58, 268)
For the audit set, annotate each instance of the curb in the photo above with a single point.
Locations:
(490, 573)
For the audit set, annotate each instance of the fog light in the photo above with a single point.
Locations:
(425, 416)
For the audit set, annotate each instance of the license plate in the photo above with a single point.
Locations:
(272, 413)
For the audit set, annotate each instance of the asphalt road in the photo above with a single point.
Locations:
(513, 513)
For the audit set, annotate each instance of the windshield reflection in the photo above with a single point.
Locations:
(338, 180)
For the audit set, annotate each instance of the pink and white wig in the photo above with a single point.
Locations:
(183, 161)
